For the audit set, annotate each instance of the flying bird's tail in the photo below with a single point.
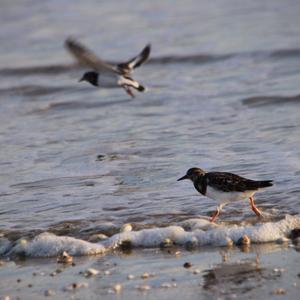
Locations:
(129, 82)
(141, 88)
(135, 62)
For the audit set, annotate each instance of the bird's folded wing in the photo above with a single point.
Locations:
(135, 62)
(228, 182)
(86, 57)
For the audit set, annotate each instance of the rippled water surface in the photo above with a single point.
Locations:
(223, 94)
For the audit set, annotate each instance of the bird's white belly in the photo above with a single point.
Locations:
(224, 197)
(108, 80)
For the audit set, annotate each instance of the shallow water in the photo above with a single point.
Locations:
(223, 94)
(258, 272)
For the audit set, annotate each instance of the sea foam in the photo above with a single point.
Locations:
(48, 244)
(203, 233)
(199, 232)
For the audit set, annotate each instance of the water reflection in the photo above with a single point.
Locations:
(240, 276)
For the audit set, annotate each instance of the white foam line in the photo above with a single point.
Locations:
(208, 235)
(202, 233)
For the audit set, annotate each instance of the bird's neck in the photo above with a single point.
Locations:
(200, 185)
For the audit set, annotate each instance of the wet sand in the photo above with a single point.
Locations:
(267, 271)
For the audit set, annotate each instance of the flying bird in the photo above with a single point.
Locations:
(225, 187)
(104, 74)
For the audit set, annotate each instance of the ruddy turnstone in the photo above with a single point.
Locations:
(105, 74)
(225, 187)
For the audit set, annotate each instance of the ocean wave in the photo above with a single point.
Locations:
(38, 70)
(270, 100)
(196, 232)
(31, 90)
(55, 182)
(200, 58)
(197, 59)
(285, 53)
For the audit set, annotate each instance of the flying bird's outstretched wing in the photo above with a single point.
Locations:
(86, 57)
(135, 62)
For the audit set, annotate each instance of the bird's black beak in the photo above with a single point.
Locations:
(182, 178)
(81, 79)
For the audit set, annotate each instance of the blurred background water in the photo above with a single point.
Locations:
(223, 94)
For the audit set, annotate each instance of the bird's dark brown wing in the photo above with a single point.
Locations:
(86, 57)
(228, 182)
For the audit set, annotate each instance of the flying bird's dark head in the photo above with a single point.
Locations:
(91, 77)
(193, 174)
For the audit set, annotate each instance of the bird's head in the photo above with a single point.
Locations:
(91, 77)
(193, 174)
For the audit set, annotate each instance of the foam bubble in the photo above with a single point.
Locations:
(48, 244)
(5, 245)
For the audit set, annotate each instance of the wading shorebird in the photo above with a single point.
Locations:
(225, 187)
(104, 74)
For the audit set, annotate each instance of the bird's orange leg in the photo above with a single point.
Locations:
(254, 208)
(128, 91)
(215, 215)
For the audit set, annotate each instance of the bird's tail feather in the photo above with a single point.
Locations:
(128, 81)
(141, 88)
(263, 184)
